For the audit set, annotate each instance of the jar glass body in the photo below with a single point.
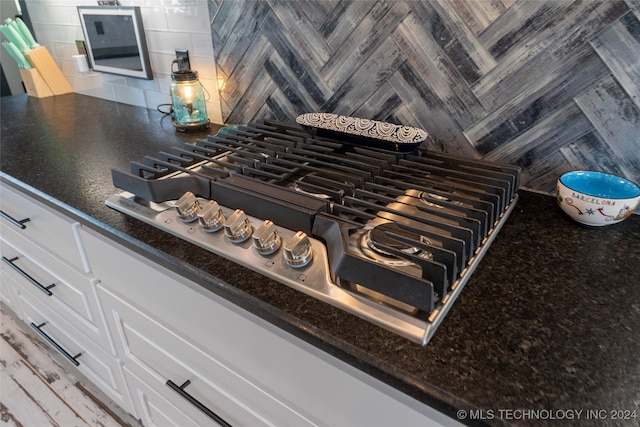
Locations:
(188, 100)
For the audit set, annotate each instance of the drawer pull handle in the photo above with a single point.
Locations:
(24, 274)
(57, 346)
(16, 222)
(208, 412)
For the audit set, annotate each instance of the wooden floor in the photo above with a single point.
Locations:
(37, 389)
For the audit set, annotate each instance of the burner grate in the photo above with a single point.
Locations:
(397, 234)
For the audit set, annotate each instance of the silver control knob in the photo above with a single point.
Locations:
(187, 207)
(211, 217)
(237, 227)
(266, 239)
(297, 251)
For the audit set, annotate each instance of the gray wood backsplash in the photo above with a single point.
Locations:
(551, 85)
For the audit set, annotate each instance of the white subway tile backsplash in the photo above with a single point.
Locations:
(190, 16)
(155, 99)
(202, 45)
(60, 14)
(205, 66)
(143, 84)
(129, 95)
(168, 42)
(93, 85)
(154, 18)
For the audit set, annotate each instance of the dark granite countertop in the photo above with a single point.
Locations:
(549, 320)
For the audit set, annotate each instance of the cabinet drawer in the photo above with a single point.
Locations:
(71, 294)
(98, 366)
(155, 410)
(45, 227)
(168, 357)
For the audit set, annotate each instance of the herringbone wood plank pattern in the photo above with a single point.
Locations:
(551, 85)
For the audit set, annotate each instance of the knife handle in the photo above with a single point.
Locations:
(26, 34)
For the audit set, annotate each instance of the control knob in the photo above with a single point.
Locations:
(211, 217)
(237, 227)
(187, 207)
(266, 239)
(297, 251)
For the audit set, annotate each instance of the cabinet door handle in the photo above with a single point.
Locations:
(24, 274)
(12, 220)
(57, 346)
(208, 412)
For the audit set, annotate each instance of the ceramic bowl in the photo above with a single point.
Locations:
(597, 198)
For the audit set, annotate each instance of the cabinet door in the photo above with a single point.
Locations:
(51, 230)
(320, 388)
(154, 409)
(98, 366)
(71, 294)
(166, 361)
(8, 292)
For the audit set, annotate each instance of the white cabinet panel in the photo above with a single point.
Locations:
(8, 291)
(67, 291)
(55, 232)
(155, 410)
(320, 388)
(168, 357)
(98, 366)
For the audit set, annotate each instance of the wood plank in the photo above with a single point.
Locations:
(297, 93)
(309, 43)
(635, 6)
(365, 39)
(547, 136)
(309, 77)
(446, 83)
(89, 408)
(7, 354)
(533, 104)
(619, 48)
(527, 67)
(379, 65)
(459, 41)
(344, 17)
(31, 403)
(63, 382)
(536, 177)
(316, 12)
(237, 41)
(591, 152)
(238, 83)
(254, 98)
(523, 21)
(617, 119)
(34, 352)
(443, 130)
(478, 14)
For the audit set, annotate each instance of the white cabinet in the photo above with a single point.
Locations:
(51, 230)
(166, 349)
(238, 366)
(45, 279)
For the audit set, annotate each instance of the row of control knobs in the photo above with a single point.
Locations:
(237, 228)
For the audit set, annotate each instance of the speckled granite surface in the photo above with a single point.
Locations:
(549, 320)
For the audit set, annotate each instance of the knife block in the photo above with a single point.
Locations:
(34, 83)
(41, 60)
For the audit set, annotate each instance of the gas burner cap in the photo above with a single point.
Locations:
(382, 234)
(425, 196)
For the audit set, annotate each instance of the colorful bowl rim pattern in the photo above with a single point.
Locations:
(624, 188)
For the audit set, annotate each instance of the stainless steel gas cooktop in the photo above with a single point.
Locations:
(392, 237)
